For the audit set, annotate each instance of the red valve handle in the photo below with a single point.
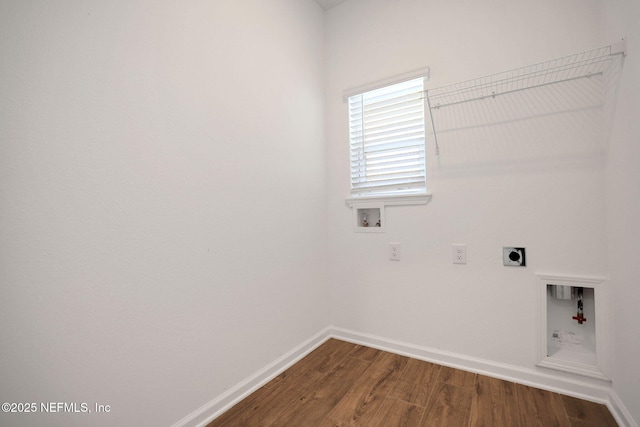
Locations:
(580, 318)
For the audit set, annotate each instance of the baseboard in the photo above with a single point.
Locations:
(587, 390)
(620, 412)
(220, 404)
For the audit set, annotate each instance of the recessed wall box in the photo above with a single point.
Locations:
(512, 256)
(369, 218)
(573, 325)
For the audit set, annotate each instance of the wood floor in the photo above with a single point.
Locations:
(344, 384)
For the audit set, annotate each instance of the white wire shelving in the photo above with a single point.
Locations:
(571, 67)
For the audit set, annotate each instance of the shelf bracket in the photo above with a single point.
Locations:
(433, 126)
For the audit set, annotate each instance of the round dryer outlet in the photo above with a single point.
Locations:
(512, 256)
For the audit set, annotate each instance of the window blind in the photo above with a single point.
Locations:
(387, 140)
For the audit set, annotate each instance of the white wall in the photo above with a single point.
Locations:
(530, 173)
(162, 200)
(621, 19)
(140, 267)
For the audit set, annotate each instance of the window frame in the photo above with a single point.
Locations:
(392, 196)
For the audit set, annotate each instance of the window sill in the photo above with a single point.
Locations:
(395, 200)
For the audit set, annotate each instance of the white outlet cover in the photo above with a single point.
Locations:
(459, 254)
(394, 251)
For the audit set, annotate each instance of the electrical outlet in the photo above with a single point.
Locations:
(394, 251)
(513, 257)
(459, 254)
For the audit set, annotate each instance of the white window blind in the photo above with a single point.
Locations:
(386, 136)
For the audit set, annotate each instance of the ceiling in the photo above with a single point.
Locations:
(328, 4)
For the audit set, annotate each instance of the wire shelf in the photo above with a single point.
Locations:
(577, 66)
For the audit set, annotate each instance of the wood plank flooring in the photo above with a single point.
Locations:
(343, 384)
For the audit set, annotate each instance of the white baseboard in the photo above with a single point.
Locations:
(620, 412)
(587, 389)
(226, 400)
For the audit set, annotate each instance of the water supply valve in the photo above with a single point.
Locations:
(580, 315)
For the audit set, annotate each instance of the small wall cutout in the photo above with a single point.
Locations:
(369, 219)
(514, 257)
(572, 311)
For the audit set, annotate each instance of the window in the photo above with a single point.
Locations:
(387, 140)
